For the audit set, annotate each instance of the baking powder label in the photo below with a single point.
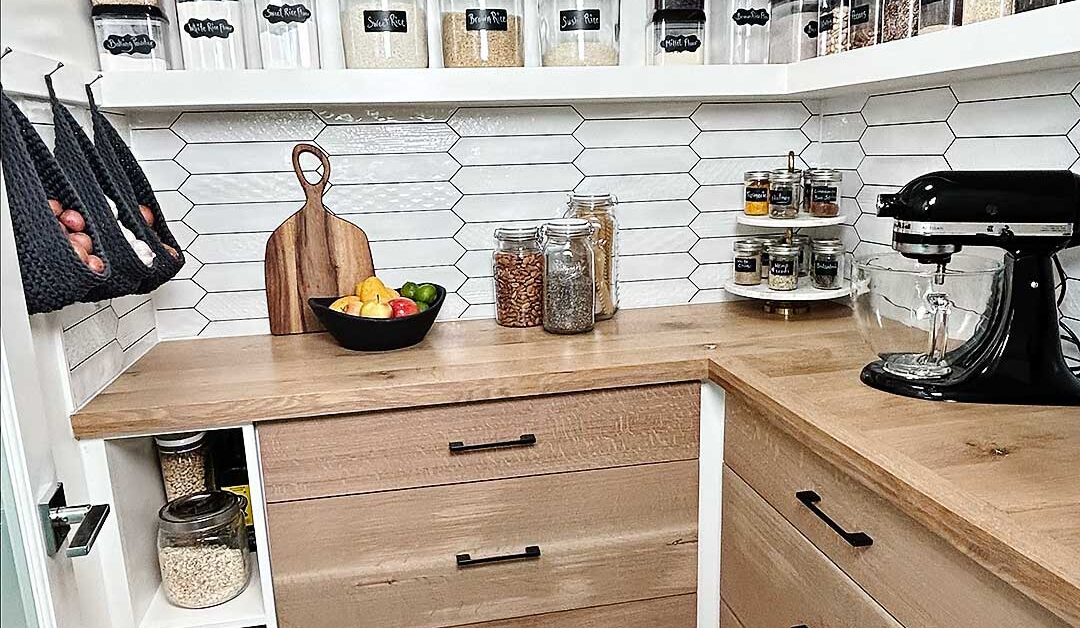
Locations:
(585, 20)
(286, 13)
(209, 28)
(129, 44)
(485, 19)
(385, 22)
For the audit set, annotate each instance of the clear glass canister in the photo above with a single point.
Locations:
(599, 209)
(569, 291)
(938, 15)
(793, 30)
(783, 267)
(827, 268)
(863, 21)
(798, 174)
(748, 31)
(980, 10)
(579, 32)
(212, 34)
(384, 33)
(747, 271)
(185, 463)
(131, 36)
(518, 269)
(756, 193)
(833, 27)
(784, 188)
(803, 242)
(766, 241)
(482, 33)
(288, 34)
(678, 33)
(1020, 6)
(899, 19)
(824, 197)
(203, 549)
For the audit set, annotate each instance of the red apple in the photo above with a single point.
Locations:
(403, 307)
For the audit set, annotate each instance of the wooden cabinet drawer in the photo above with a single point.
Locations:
(772, 577)
(387, 559)
(409, 448)
(727, 618)
(676, 611)
(923, 581)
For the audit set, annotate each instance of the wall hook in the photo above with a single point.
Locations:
(7, 51)
(96, 79)
(59, 64)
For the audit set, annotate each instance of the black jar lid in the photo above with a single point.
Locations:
(119, 8)
(679, 10)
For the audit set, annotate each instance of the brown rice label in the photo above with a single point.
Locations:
(485, 19)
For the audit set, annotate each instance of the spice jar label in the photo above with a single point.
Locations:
(209, 28)
(746, 264)
(286, 13)
(485, 19)
(811, 29)
(129, 44)
(860, 14)
(823, 194)
(751, 17)
(826, 23)
(584, 20)
(680, 43)
(782, 267)
(757, 195)
(386, 22)
(781, 196)
(825, 267)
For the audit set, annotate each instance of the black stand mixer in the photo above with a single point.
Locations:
(1015, 356)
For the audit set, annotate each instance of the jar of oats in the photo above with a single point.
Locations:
(203, 549)
(518, 268)
(482, 33)
(185, 463)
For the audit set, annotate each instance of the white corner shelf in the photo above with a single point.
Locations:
(804, 293)
(243, 611)
(1036, 40)
(789, 223)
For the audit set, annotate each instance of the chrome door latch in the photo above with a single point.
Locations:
(57, 518)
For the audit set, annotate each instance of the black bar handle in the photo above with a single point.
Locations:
(810, 499)
(531, 552)
(526, 440)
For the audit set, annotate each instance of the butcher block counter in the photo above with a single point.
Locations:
(999, 484)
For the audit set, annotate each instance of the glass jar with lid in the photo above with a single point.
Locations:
(899, 19)
(824, 197)
(799, 176)
(863, 22)
(579, 32)
(747, 271)
(938, 15)
(748, 31)
(678, 33)
(980, 10)
(384, 33)
(212, 34)
(203, 549)
(783, 267)
(185, 463)
(599, 209)
(784, 188)
(793, 30)
(766, 241)
(1020, 6)
(803, 243)
(131, 35)
(827, 268)
(482, 33)
(833, 26)
(518, 271)
(288, 34)
(756, 193)
(569, 289)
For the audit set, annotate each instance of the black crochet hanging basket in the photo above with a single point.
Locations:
(53, 275)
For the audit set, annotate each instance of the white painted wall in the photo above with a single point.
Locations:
(59, 29)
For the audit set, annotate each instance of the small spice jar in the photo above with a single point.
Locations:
(827, 266)
(384, 33)
(833, 27)
(599, 210)
(824, 200)
(185, 463)
(678, 33)
(784, 188)
(482, 33)
(799, 175)
(783, 267)
(203, 549)
(756, 193)
(766, 241)
(803, 242)
(518, 269)
(288, 34)
(131, 35)
(569, 289)
(938, 15)
(793, 30)
(747, 262)
(211, 34)
(579, 32)
(749, 31)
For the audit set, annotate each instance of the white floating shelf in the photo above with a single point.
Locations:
(805, 292)
(789, 223)
(243, 611)
(1036, 40)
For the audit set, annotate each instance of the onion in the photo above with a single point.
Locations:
(95, 264)
(82, 241)
(72, 220)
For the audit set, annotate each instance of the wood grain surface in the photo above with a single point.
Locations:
(387, 559)
(409, 448)
(677, 611)
(773, 576)
(728, 618)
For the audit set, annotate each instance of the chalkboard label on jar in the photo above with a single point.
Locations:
(129, 44)
(825, 24)
(782, 267)
(751, 17)
(209, 28)
(823, 194)
(757, 195)
(781, 196)
(746, 264)
(584, 20)
(860, 14)
(826, 267)
(811, 29)
(485, 19)
(286, 13)
(680, 43)
(385, 22)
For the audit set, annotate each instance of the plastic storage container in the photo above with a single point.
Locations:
(793, 30)
(203, 549)
(599, 210)
(579, 32)
(833, 27)
(678, 33)
(899, 19)
(748, 31)
(783, 267)
(131, 36)
(747, 270)
(211, 34)
(938, 15)
(569, 290)
(827, 268)
(185, 463)
(518, 269)
(863, 23)
(384, 33)
(482, 33)
(288, 34)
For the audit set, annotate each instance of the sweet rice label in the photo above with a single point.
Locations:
(386, 22)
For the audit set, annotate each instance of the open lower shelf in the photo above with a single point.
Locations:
(788, 223)
(243, 611)
(804, 293)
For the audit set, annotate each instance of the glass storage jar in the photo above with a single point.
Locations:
(1020, 6)
(827, 267)
(833, 27)
(824, 197)
(569, 290)
(766, 241)
(793, 30)
(798, 182)
(863, 22)
(981, 10)
(518, 268)
(384, 33)
(579, 32)
(784, 190)
(756, 193)
(185, 463)
(203, 549)
(678, 33)
(599, 210)
(131, 36)
(899, 19)
(748, 31)
(747, 271)
(783, 267)
(803, 242)
(288, 34)
(211, 34)
(482, 33)
(938, 15)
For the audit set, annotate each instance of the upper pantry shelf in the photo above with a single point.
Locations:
(1036, 40)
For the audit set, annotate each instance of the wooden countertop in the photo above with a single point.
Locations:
(1000, 483)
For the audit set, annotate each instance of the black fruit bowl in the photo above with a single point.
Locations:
(375, 334)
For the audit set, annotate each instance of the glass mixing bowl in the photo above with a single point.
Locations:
(922, 323)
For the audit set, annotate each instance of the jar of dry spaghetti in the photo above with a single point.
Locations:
(518, 268)
(599, 209)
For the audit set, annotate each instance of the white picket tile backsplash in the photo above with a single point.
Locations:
(640, 132)
(749, 143)
(515, 149)
(369, 114)
(393, 168)
(641, 187)
(921, 138)
(375, 139)
(643, 214)
(239, 217)
(519, 178)
(488, 121)
(237, 157)
(155, 144)
(928, 105)
(747, 116)
(247, 126)
(1021, 153)
(640, 160)
(1042, 115)
(390, 197)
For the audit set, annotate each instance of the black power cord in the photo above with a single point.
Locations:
(1069, 335)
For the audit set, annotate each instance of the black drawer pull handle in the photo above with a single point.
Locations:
(810, 499)
(526, 440)
(531, 552)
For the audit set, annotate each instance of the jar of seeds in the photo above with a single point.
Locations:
(833, 27)
(185, 463)
(747, 262)
(783, 267)
(899, 19)
(784, 190)
(203, 549)
(482, 33)
(756, 193)
(599, 209)
(824, 200)
(518, 269)
(569, 290)
(766, 241)
(827, 268)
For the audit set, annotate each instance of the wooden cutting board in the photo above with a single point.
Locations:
(312, 254)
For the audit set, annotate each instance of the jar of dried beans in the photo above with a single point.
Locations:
(783, 267)
(938, 15)
(518, 269)
(824, 197)
(756, 193)
(899, 19)
(784, 188)
(185, 463)
(833, 27)
(482, 33)
(569, 290)
(599, 209)
(747, 262)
